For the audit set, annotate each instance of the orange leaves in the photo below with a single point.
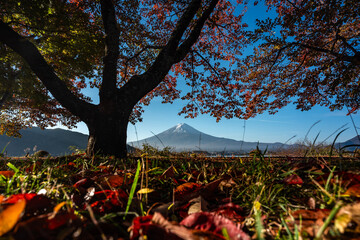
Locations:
(186, 189)
(112, 181)
(353, 191)
(10, 215)
(207, 66)
(34, 211)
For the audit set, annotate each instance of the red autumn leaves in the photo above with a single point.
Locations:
(182, 204)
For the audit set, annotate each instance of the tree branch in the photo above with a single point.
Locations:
(220, 78)
(347, 44)
(185, 47)
(183, 24)
(108, 86)
(140, 85)
(138, 54)
(43, 71)
(353, 59)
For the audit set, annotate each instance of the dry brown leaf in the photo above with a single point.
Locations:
(186, 191)
(309, 220)
(227, 183)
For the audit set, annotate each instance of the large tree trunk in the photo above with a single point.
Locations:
(107, 124)
(107, 135)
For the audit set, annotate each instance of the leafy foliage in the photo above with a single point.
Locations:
(309, 53)
(68, 39)
(70, 36)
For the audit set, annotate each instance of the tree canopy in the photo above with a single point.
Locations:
(69, 42)
(309, 54)
(133, 51)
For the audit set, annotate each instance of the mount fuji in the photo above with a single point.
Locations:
(183, 137)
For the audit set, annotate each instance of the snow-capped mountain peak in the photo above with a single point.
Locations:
(184, 128)
(179, 129)
(183, 137)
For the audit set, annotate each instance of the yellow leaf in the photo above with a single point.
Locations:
(10, 216)
(342, 221)
(145, 190)
(348, 214)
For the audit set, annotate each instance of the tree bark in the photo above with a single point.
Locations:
(108, 134)
(107, 122)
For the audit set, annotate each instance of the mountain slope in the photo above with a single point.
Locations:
(353, 143)
(183, 137)
(54, 141)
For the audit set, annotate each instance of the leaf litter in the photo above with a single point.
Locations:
(198, 198)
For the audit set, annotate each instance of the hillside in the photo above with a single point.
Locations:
(55, 141)
(353, 143)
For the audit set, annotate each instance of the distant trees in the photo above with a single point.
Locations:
(134, 51)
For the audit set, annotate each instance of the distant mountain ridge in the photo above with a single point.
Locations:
(353, 143)
(183, 137)
(55, 141)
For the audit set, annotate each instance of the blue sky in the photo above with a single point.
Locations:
(280, 127)
(264, 128)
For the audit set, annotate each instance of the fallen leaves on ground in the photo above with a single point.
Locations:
(10, 216)
(348, 219)
(293, 179)
(7, 174)
(178, 203)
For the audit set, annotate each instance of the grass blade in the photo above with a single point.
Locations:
(333, 144)
(332, 214)
(286, 228)
(310, 130)
(133, 188)
(2, 152)
(10, 165)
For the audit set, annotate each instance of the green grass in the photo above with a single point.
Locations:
(257, 186)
